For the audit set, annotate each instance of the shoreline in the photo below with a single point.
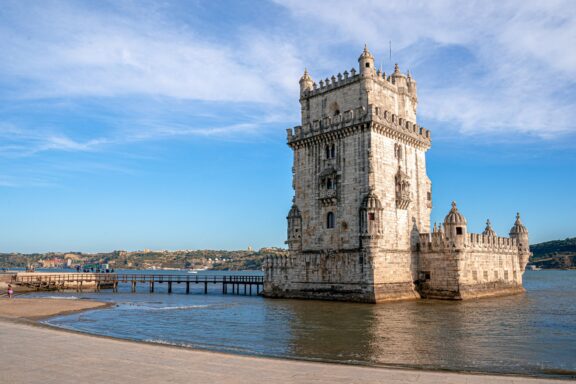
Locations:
(27, 324)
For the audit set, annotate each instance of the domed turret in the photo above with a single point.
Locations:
(306, 82)
(366, 62)
(455, 225)
(454, 217)
(520, 233)
(371, 201)
(398, 77)
(294, 229)
(370, 218)
(294, 212)
(518, 227)
(489, 231)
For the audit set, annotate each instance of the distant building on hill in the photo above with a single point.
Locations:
(359, 227)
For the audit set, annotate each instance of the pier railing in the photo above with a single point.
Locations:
(98, 281)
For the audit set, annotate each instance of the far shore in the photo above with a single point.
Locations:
(62, 356)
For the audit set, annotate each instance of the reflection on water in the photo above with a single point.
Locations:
(533, 333)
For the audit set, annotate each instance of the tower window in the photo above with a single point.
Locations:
(459, 230)
(331, 151)
(330, 220)
(367, 65)
(371, 216)
(329, 183)
(429, 196)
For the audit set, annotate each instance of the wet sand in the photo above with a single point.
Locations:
(34, 353)
(35, 309)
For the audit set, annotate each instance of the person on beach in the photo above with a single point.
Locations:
(10, 291)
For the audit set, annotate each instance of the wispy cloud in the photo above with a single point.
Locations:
(57, 49)
(20, 142)
(519, 73)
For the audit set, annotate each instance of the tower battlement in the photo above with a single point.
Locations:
(439, 242)
(392, 82)
(348, 91)
(385, 121)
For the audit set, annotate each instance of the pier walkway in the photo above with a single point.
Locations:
(233, 284)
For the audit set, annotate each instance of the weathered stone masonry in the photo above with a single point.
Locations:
(359, 227)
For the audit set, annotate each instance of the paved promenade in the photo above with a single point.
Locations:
(35, 354)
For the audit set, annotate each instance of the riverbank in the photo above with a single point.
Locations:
(32, 352)
(36, 309)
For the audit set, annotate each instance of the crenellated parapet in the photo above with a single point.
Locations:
(396, 82)
(440, 242)
(348, 122)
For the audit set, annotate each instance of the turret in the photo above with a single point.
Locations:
(520, 233)
(488, 231)
(455, 226)
(398, 77)
(411, 84)
(294, 229)
(306, 83)
(366, 63)
(370, 218)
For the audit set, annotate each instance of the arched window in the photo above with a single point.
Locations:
(333, 151)
(327, 151)
(330, 220)
(329, 183)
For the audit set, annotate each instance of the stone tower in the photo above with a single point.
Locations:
(359, 226)
(362, 195)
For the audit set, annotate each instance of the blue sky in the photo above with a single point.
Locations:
(161, 124)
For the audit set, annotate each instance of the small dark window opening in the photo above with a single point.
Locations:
(330, 220)
(429, 194)
(329, 183)
(458, 230)
(371, 216)
(336, 112)
(367, 65)
(327, 151)
(333, 151)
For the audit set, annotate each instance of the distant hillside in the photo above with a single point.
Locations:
(554, 254)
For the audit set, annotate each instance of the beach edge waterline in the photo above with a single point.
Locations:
(40, 322)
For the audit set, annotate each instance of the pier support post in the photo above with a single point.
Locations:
(134, 286)
(151, 287)
(205, 287)
(187, 287)
(169, 287)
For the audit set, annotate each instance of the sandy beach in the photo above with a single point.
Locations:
(35, 309)
(34, 353)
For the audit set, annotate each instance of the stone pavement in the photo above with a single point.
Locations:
(36, 354)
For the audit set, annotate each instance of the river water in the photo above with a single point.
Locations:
(532, 333)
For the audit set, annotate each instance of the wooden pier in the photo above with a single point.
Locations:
(230, 284)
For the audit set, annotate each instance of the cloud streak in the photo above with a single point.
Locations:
(66, 50)
(518, 76)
